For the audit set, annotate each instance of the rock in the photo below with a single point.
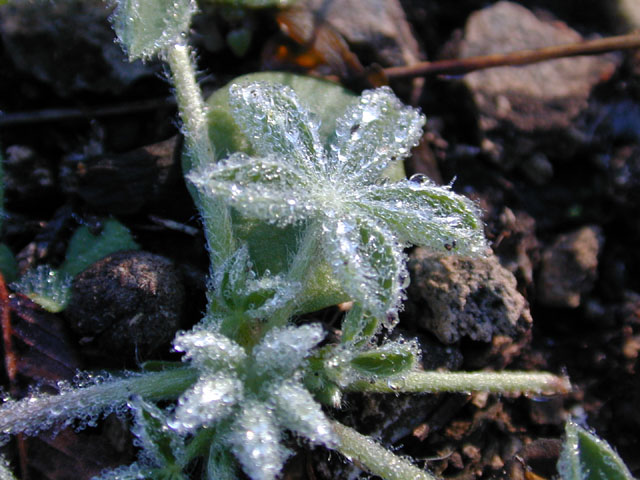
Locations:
(629, 13)
(569, 267)
(516, 244)
(456, 297)
(127, 303)
(543, 96)
(379, 26)
(69, 45)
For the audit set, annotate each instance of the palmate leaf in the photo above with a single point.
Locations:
(209, 400)
(364, 220)
(209, 350)
(283, 350)
(299, 412)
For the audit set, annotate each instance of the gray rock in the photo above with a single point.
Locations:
(457, 297)
(569, 267)
(378, 25)
(546, 95)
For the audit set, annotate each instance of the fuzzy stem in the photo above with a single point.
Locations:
(41, 411)
(374, 457)
(216, 215)
(494, 382)
(190, 103)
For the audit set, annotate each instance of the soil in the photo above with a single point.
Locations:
(85, 137)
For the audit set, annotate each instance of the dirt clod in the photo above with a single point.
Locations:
(129, 303)
(569, 267)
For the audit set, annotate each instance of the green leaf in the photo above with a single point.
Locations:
(86, 248)
(425, 214)
(385, 361)
(148, 27)
(270, 246)
(368, 262)
(585, 456)
(358, 326)
(51, 289)
(376, 132)
(8, 263)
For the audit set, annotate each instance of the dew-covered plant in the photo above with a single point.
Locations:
(296, 218)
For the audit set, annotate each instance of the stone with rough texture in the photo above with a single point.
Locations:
(546, 95)
(457, 297)
(378, 25)
(569, 267)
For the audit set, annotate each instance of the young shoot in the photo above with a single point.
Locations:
(251, 377)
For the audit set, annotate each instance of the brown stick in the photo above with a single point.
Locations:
(62, 114)
(461, 66)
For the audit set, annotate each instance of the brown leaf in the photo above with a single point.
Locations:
(38, 351)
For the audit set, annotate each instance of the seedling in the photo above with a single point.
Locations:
(324, 196)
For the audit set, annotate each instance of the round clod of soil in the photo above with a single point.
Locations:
(127, 304)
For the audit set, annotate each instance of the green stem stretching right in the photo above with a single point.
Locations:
(494, 382)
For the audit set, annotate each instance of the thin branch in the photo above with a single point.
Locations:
(460, 66)
(66, 114)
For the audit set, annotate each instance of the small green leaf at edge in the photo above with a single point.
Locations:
(86, 248)
(8, 264)
(585, 456)
(383, 363)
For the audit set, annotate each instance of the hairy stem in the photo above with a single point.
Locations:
(374, 457)
(42, 411)
(495, 382)
(190, 104)
(216, 215)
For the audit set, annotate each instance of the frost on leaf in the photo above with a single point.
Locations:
(146, 27)
(365, 220)
(256, 442)
(209, 400)
(208, 350)
(302, 414)
(160, 447)
(284, 349)
(48, 288)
